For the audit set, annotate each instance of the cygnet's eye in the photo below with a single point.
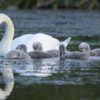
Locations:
(27, 63)
(5, 63)
(18, 54)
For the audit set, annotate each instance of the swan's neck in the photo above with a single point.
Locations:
(6, 41)
(87, 49)
(9, 78)
(62, 50)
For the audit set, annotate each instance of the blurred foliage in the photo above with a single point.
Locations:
(55, 4)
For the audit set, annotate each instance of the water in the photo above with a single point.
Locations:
(52, 79)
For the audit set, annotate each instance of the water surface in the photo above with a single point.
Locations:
(52, 79)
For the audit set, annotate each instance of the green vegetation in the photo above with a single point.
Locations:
(55, 4)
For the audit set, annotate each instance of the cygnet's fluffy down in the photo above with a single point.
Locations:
(84, 46)
(18, 54)
(22, 47)
(38, 51)
(72, 55)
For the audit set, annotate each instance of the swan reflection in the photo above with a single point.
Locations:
(8, 77)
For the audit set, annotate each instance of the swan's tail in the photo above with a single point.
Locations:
(65, 42)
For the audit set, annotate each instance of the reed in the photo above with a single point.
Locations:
(55, 4)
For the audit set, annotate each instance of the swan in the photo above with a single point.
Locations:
(9, 78)
(47, 41)
(72, 55)
(5, 44)
(84, 46)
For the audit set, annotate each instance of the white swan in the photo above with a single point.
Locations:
(48, 42)
(84, 46)
(5, 44)
(9, 78)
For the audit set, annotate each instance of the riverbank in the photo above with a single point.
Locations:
(51, 4)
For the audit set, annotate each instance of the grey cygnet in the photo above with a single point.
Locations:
(84, 46)
(64, 54)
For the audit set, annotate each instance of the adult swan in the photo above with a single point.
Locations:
(5, 44)
(47, 41)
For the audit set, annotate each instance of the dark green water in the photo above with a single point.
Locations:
(69, 79)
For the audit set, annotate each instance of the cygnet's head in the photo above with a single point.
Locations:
(17, 54)
(84, 47)
(37, 46)
(22, 47)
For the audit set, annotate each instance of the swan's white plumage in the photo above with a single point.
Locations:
(5, 44)
(48, 42)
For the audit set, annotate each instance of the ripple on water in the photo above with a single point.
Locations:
(54, 71)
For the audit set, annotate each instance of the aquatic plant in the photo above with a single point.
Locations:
(55, 4)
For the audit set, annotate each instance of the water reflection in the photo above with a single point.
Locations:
(56, 71)
(63, 80)
(8, 78)
(37, 67)
(51, 71)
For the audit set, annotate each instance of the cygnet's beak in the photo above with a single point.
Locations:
(81, 49)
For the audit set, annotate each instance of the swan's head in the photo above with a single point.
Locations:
(84, 47)
(37, 46)
(22, 47)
